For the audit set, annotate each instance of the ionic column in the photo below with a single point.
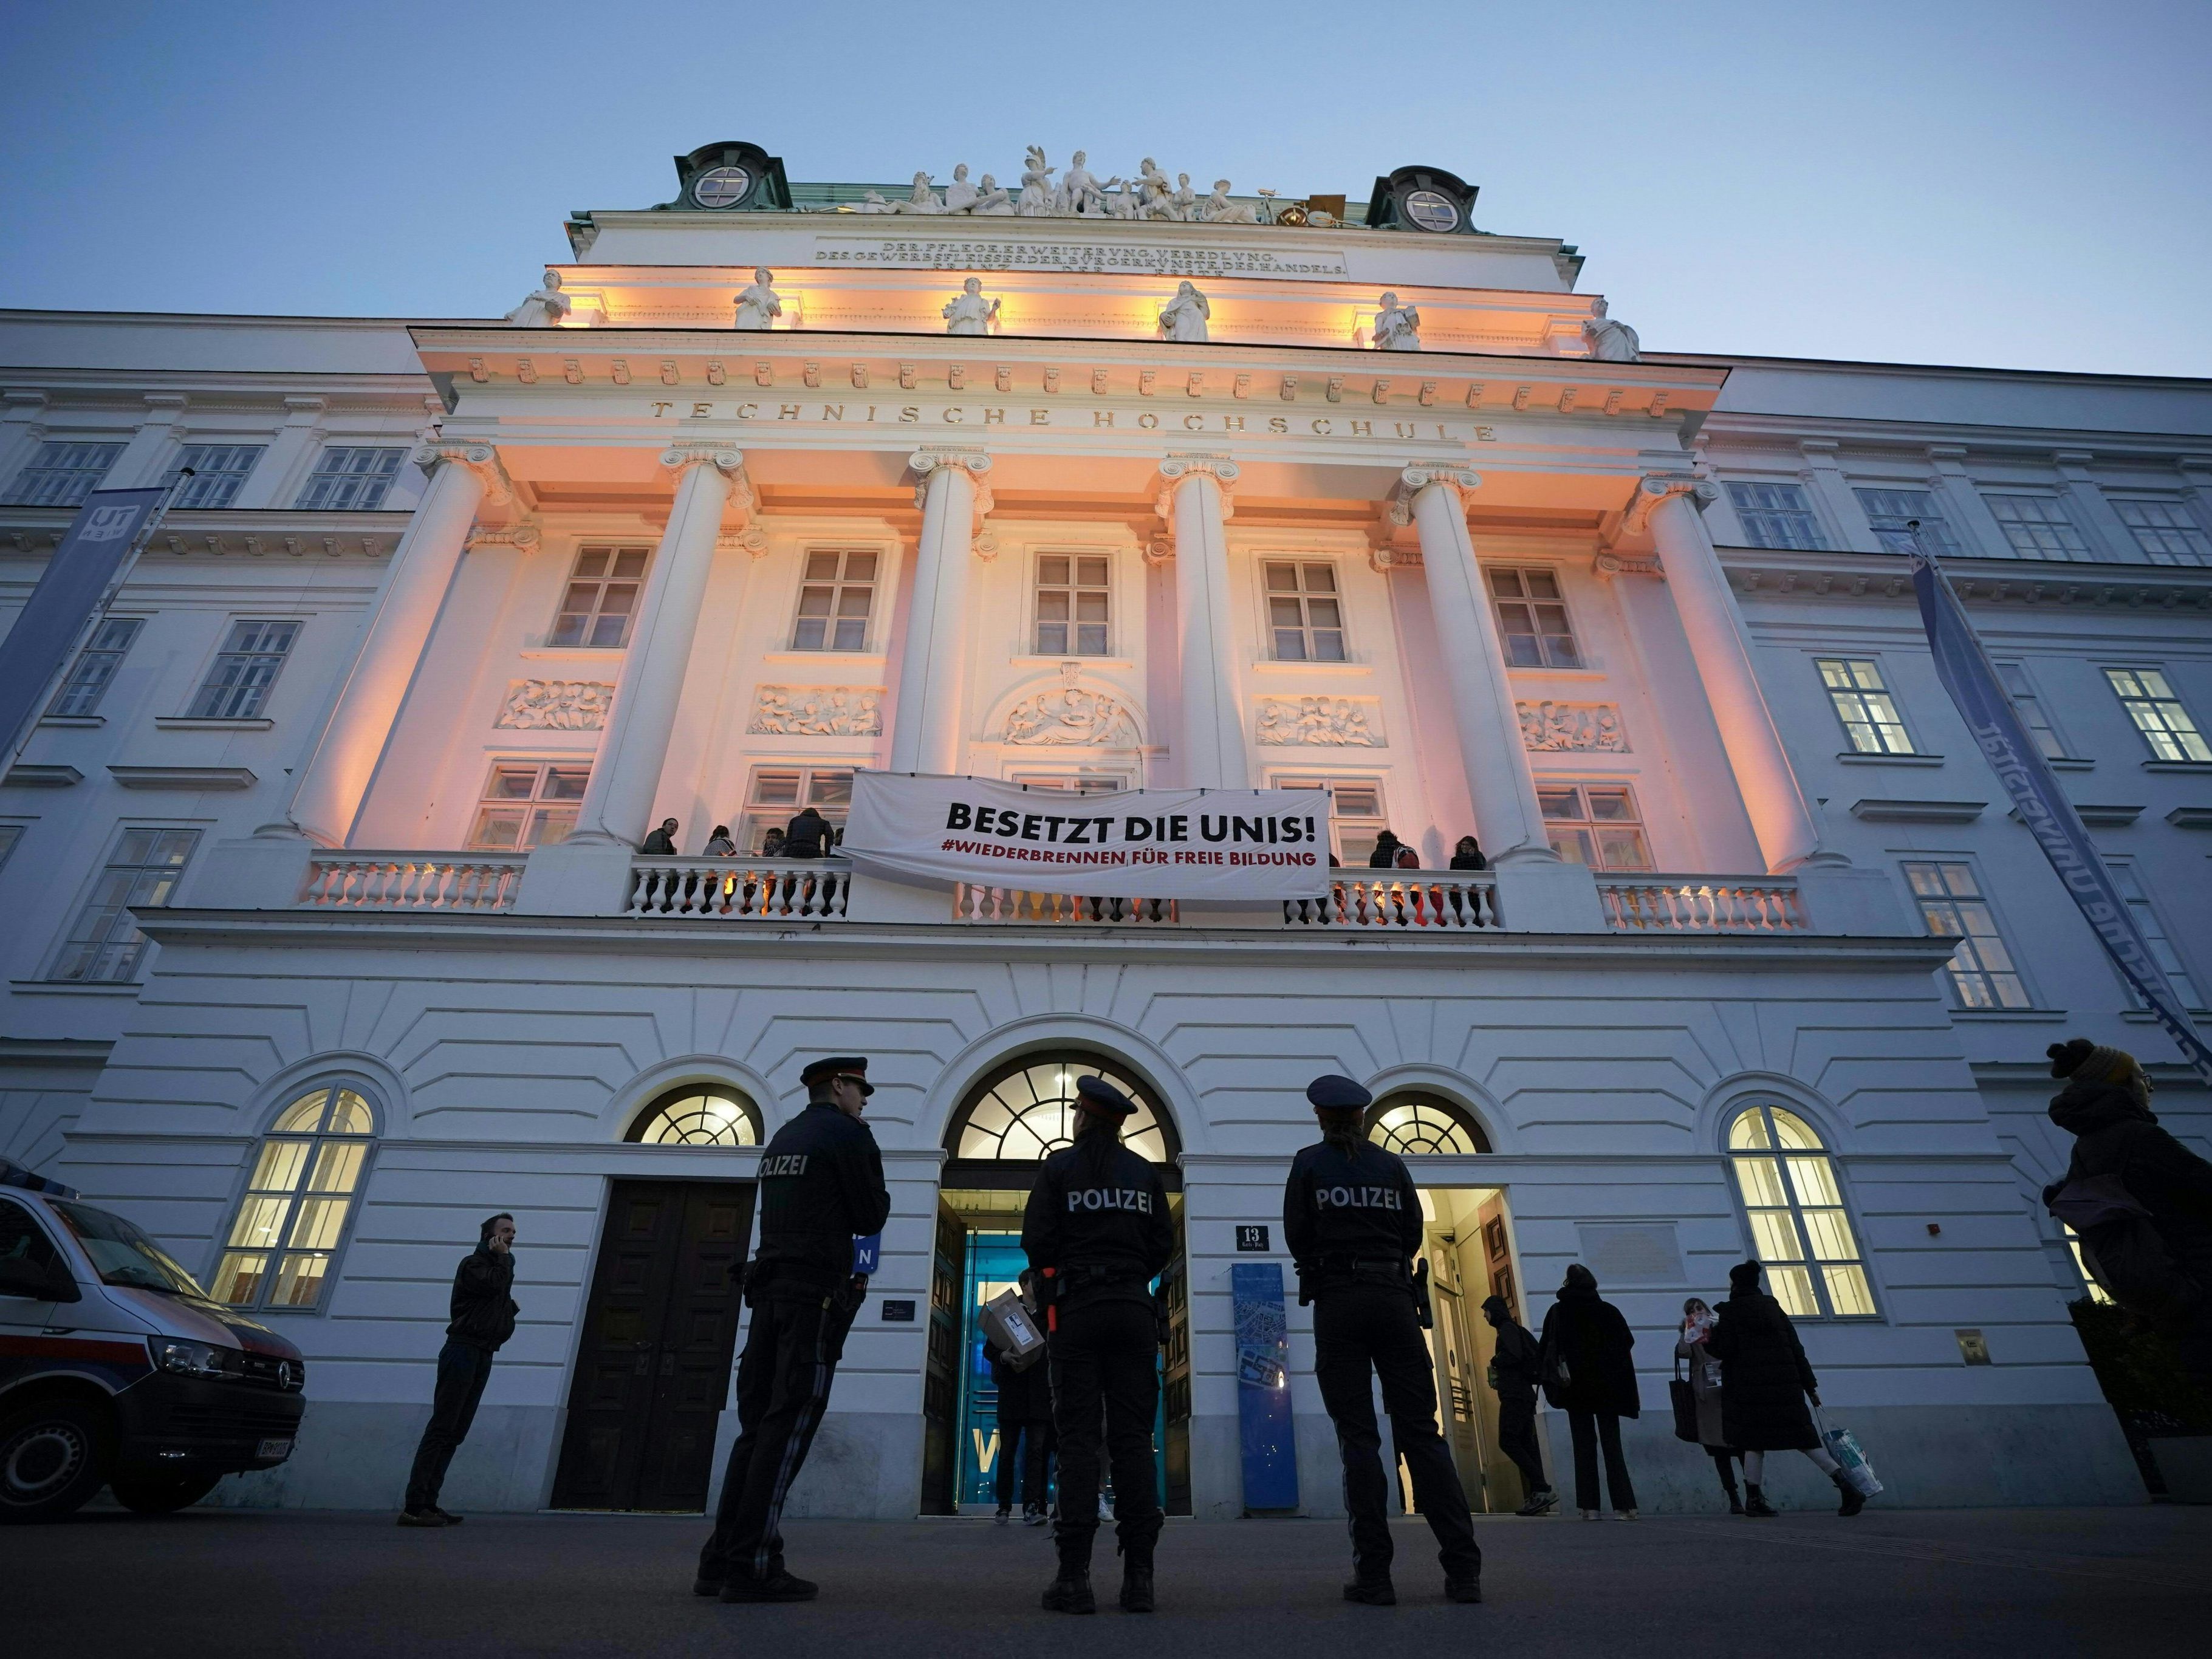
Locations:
(934, 666)
(1507, 819)
(463, 477)
(1210, 743)
(619, 801)
(1722, 649)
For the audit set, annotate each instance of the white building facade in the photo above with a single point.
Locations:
(329, 934)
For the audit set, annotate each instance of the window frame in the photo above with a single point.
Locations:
(78, 482)
(1329, 783)
(1521, 573)
(614, 551)
(1074, 588)
(2009, 666)
(749, 810)
(2064, 520)
(90, 888)
(881, 584)
(2179, 739)
(1590, 824)
(243, 1191)
(1980, 896)
(1794, 1205)
(386, 478)
(1462, 1120)
(229, 646)
(2189, 527)
(530, 805)
(2127, 868)
(1302, 596)
(91, 649)
(1860, 695)
(748, 1111)
(1076, 1059)
(1943, 542)
(211, 488)
(1754, 515)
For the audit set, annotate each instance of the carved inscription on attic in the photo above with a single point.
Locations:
(1152, 259)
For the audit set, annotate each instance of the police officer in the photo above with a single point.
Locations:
(1097, 1233)
(821, 1186)
(1352, 1219)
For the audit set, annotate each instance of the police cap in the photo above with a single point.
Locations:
(1332, 1093)
(1096, 1094)
(851, 1065)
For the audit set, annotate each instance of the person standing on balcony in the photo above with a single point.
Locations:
(1589, 1374)
(822, 1187)
(808, 837)
(483, 1313)
(661, 841)
(1352, 1221)
(1385, 855)
(1468, 855)
(718, 845)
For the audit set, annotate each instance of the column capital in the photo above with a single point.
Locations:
(974, 462)
(1222, 470)
(1178, 469)
(1657, 488)
(480, 459)
(525, 534)
(726, 458)
(1414, 479)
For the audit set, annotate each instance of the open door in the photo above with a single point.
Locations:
(940, 1384)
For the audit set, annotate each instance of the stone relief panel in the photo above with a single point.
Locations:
(819, 711)
(1070, 717)
(1578, 726)
(556, 706)
(1321, 722)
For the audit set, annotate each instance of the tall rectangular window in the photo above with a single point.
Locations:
(63, 474)
(1891, 510)
(1071, 601)
(1356, 816)
(2032, 711)
(1303, 612)
(237, 686)
(352, 480)
(105, 947)
(217, 472)
(1532, 618)
(2165, 532)
(2129, 881)
(779, 793)
(600, 602)
(1862, 702)
(835, 600)
(1073, 783)
(1595, 824)
(1952, 907)
(1776, 515)
(2158, 714)
(10, 835)
(2037, 526)
(96, 667)
(528, 804)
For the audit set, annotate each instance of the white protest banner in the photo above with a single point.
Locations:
(1252, 844)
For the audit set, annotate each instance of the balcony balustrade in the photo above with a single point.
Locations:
(1701, 904)
(770, 889)
(347, 880)
(1414, 900)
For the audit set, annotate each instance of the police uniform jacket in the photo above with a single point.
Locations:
(1351, 1217)
(1101, 1222)
(822, 1185)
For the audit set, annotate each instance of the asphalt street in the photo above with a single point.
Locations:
(1994, 1581)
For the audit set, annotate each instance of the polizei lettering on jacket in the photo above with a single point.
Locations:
(785, 1163)
(1109, 1198)
(1358, 1198)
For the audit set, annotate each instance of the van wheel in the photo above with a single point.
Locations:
(150, 1493)
(53, 1457)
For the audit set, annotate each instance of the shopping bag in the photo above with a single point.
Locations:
(1843, 1446)
(1684, 1401)
(1011, 1329)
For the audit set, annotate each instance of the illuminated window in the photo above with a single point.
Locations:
(1889, 511)
(1027, 1109)
(600, 602)
(2097, 1292)
(2165, 532)
(2038, 527)
(835, 600)
(1776, 515)
(2158, 714)
(1304, 613)
(1532, 618)
(528, 804)
(306, 1178)
(217, 472)
(779, 793)
(238, 683)
(105, 947)
(63, 474)
(2033, 714)
(96, 667)
(698, 1114)
(1800, 1230)
(1423, 1126)
(1863, 704)
(1355, 816)
(350, 480)
(1952, 907)
(1073, 597)
(1595, 824)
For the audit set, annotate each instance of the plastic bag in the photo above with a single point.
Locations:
(1843, 1446)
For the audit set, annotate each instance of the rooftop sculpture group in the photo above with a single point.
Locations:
(1079, 193)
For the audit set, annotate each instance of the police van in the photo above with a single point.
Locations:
(117, 1368)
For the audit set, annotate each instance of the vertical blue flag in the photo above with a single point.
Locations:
(2004, 738)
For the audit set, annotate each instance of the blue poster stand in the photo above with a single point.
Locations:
(1263, 1388)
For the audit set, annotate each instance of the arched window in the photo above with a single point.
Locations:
(1423, 1126)
(1027, 1109)
(698, 1114)
(1799, 1228)
(294, 1215)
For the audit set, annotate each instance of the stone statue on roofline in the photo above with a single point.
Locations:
(1183, 319)
(1218, 210)
(1610, 341)
(1081, 192)
(923, 199)
(968, 312)
(991, 201)
(960, 195)
(1036, 197)
(759, 306)
(543, 309)
(1397, 328)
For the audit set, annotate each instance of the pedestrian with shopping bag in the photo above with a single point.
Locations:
(1766, 1383)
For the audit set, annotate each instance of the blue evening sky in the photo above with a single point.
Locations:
(2008, 182)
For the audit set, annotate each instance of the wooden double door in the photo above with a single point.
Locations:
(652, 1370)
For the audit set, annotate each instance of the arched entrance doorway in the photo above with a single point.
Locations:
(1009, 1119)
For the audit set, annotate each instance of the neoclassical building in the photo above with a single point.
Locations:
(328, 933)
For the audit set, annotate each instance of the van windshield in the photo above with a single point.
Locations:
(123, 1255)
